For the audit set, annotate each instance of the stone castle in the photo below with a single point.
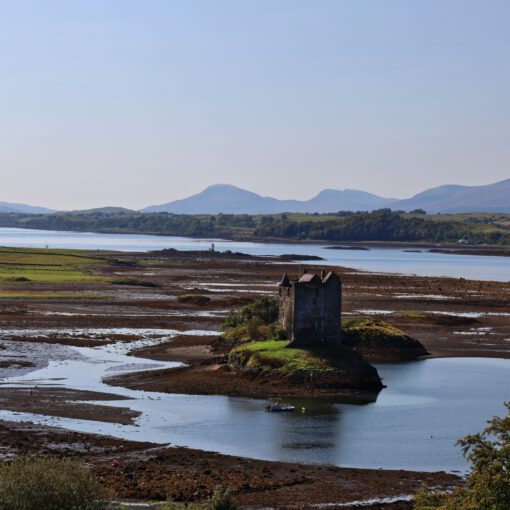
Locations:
(310, 308)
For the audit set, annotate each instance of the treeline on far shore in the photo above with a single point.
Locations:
(380, 225)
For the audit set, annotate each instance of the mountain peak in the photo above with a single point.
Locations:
(451, 198)
(229, 199)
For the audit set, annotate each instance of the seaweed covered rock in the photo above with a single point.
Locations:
(379, 341)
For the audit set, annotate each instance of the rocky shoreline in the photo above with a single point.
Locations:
(144, 471)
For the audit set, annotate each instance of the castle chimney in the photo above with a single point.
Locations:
(285, 281)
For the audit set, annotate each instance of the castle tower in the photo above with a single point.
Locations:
(310, 308)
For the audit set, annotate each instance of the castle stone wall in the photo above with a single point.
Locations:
(310, 309)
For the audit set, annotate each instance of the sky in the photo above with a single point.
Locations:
(133, 103)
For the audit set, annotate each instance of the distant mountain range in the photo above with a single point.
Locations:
(228, 199)
(453, 198)
(224, 198)
(7, 207)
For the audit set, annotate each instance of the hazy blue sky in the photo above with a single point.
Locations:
(139, 102)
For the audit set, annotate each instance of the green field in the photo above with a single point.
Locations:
(43, 266)
(29, 295)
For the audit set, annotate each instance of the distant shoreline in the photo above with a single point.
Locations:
(440, 247)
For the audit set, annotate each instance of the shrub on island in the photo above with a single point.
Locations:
(263, 310)
(252, 323)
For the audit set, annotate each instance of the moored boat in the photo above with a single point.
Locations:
(277, 406)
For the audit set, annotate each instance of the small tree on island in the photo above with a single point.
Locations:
(488, 483)
(263, 310)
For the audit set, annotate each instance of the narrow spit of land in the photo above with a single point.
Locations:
(61, 299)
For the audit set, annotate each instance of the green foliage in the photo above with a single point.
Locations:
(427, 500)
(381, 225)
(488, 483)
(263, 310)
(221, 500)
(252, 331)
(380, 341)
(49, 484)
(276, 355)
(370, 328)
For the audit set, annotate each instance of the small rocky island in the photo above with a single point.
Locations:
(298, 340)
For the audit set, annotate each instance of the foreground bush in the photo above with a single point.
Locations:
(49, 484)
(488, 484)
(221, 500)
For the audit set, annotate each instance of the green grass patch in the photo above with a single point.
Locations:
(413, 314)
(277, 356)
(43, 295)
(45, 274)
(46, 266)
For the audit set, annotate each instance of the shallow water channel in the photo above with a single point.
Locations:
(414, 423)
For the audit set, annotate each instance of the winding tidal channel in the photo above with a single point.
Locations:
(413, 425)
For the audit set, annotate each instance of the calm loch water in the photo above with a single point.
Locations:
(414, 423)
(393, 260)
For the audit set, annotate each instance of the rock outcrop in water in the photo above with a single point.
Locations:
(380, 342)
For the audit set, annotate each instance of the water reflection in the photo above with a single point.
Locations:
(413, 423)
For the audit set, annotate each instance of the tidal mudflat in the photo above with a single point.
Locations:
(109, 306)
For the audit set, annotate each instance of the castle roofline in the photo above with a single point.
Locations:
(330, 275)
(310, 278)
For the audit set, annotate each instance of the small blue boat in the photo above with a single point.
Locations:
(276, 406)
